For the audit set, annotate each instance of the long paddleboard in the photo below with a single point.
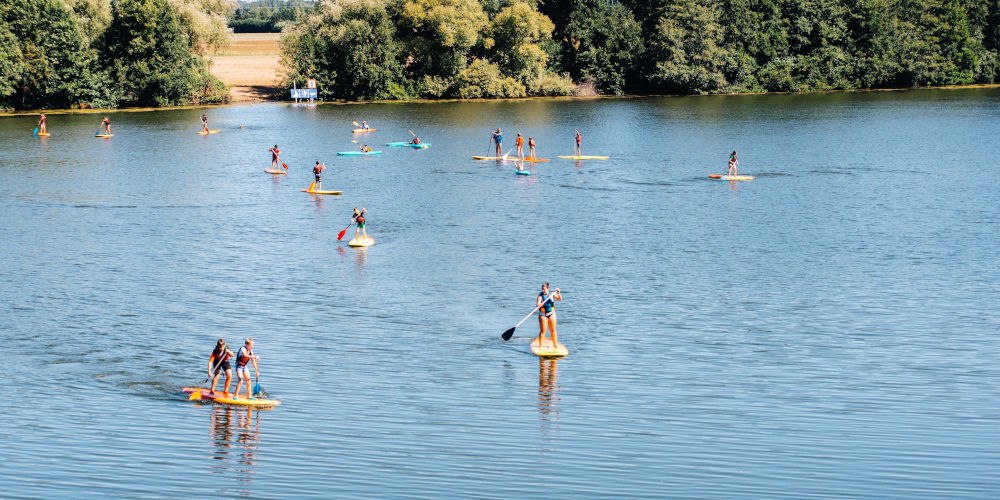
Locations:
(104, 136)
(321, 192)
(732, 177)
(536, 159)
(586, 157)
(43, 134)
(209, 132)
(487, 157)
(360, 130)
(275, 171)
(358, 153)
(361, 241)
(232, 400)
(546, 350)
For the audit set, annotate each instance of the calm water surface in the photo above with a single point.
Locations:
(829, 329)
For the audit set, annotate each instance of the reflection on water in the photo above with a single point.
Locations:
(235, 436)
(548, 396)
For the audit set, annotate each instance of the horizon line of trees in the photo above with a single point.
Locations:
(400, 49)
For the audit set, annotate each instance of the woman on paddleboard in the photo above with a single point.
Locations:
(733, 163)
(317, 173)
(41, 125)
(359, 220)
(547, 313)
(244, 358)
(219, 362)
(579, 139)
(274, 157)
(204, 122)
(106, 125)
(498, 139)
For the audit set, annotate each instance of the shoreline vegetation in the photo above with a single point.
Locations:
(114, 54)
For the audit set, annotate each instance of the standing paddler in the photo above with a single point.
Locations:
(547, 314)
(244, 357)
(218, 363)
(498, 140)
(579, 139)
(733, 163)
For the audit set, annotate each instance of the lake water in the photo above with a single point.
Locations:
(829, 329)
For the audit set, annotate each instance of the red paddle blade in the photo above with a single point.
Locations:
(286, 166)
(341, 234)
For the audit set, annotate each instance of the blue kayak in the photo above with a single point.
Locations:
(522, 172)
(422, 145)
(357, 153)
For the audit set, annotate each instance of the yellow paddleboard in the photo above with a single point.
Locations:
(274, 171)
(104, 136)
(586, 157)
(359, 130)
(487, 157)
(247, 402)
(546, 350)
(209, 132)
(361, 241)
(321, 192)
(43, 134)
(732, 177)
(536, 159)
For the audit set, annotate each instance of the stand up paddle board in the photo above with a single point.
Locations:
(586, 157)
(259, 403)
(546, 350)
(321, 192)
(104, 136)
(732, 177)
(536, 159)
(487, 157)
(209, 132)
(361, 241)
(43, 134)
(359, 130)
(275, 171)
(358, 153)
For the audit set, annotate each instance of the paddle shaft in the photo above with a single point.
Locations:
(214, 368)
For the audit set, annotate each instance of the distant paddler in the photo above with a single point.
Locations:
(359, 221)
(106, 126)
(497, 139)
(364, 124)
(244, 357)
(519, 142)
(579, 139)
(366, 149)
(415, 140)
(204, 122)
(41, 126)
(318, 175)
(218, 362)
(275, 162)
(545, 302)
(531, 148)
(733, 163)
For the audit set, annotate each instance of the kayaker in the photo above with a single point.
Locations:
(364, 125)
(579, 139)
(547, 313)
(244, 357)
(41, 125)
(204, 122)
(274, 157)
(365, 149)
(498, 139)
(416, 140)
(106, 125)
(531, 148)
(519, 142)
(219, 362)
(733, 163)
(317, 173)
(359, 221)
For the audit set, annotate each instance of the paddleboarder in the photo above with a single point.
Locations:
(317, 173)
(531, 148)
(244, 357)
(498, 139)
(204, 122)
(519, 142)
(579, 139)
(106, 125)
(359, 221)
(274, 157)
(733, 163)
(547, 313)
(41, 125)
(219, 361)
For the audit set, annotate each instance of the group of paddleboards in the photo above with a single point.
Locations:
(520, 158)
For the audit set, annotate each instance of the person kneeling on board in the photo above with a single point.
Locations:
(359, 220)
(219, 362)
(547, 313)
(317, 173)
(244, 357)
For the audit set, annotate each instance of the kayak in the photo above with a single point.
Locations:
(231, 399)
(397, 144)
(536, 159)
(104, 136)
(361, 241)
(321, 192)
(274, 171)
(732, 177)
(586, 157)
(546, 350)
(422, 145)
(359, 130)
(522, 172)
(358, 153)
(209, 132)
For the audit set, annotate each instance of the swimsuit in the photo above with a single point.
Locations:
(548, 306)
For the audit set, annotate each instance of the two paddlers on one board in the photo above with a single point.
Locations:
(218, 363)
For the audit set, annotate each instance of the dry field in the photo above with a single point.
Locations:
(250, 66)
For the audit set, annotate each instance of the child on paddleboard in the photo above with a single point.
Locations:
(244, 357)
(519, 142)
(498, 139)
(274, 157)
(531, 148)
(733, 162)
(547, 313)
(218, 362)
(359, 219)
(366, 149)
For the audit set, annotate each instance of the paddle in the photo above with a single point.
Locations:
(509, 333)
(342, 233)
(284, 165)
(35, 132)
(356, 124)
(311, 186)
(256, 385)
(411, 133)
(197, 394)
(509, 151)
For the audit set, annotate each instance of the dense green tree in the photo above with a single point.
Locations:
(437, 34)
(602, 42)
(350, 48)
(483, 79)
(513, 41)
(686, 50)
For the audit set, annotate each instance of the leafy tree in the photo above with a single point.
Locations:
(483, 79)
(438, 34)
(513, 41)
(204, 22)
(350, 48)
(687, 48)
(602, 43)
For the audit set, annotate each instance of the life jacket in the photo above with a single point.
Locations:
(241, 358)
(219, 354)
(547, 303)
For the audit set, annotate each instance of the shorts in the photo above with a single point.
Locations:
(361, 225)
(317, 176)
(224, 366)
(550, 314)
(243, 369)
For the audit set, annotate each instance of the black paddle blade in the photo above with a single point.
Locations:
(508, 334)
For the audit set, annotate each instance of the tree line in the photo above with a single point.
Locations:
(399, 49)
(104, 53)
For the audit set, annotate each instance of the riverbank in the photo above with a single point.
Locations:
(250, 67)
